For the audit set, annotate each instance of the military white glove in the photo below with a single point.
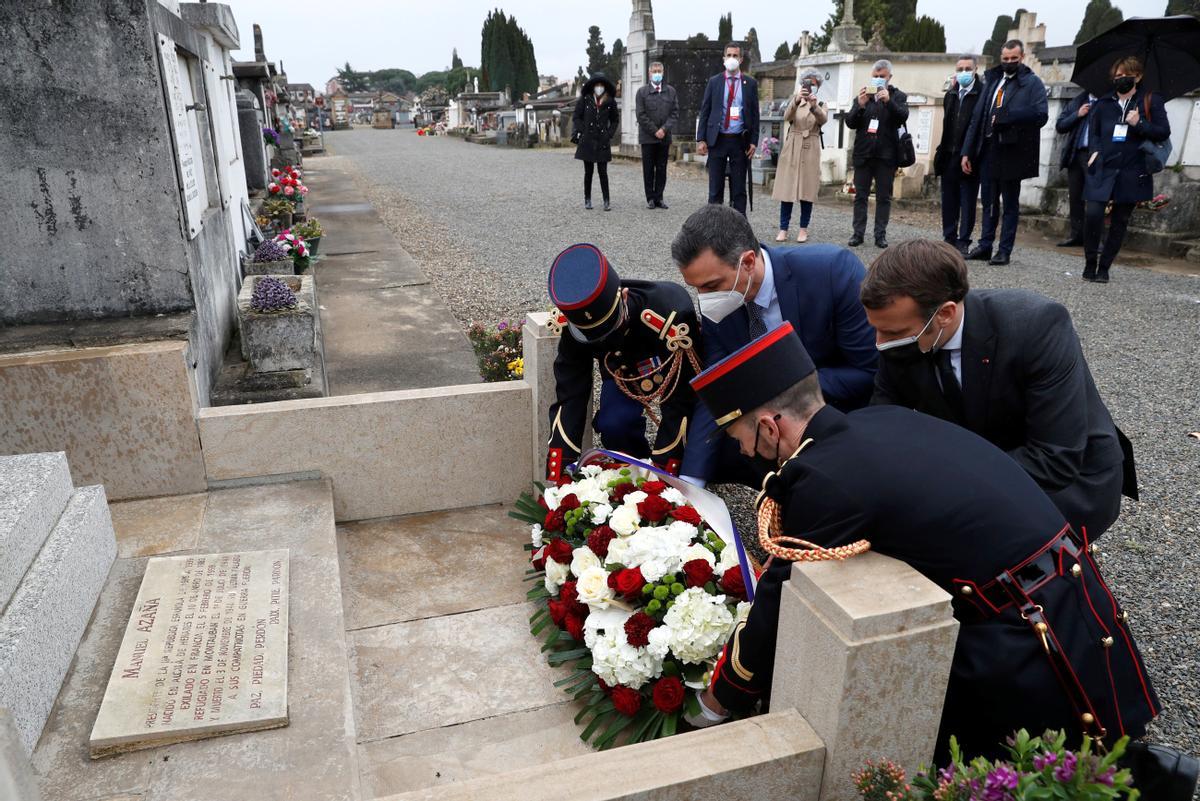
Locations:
(707, 717)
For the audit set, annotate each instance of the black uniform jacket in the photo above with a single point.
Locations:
(960, 511)
(628, 354)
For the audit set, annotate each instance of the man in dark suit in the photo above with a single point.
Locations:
(954, 508)
(959, 191)
(727, 129)
(1002, 147)
(746, 288)
(1073, 124)
(1004, 363)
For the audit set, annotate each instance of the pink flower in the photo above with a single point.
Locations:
(289, 191)
(304, 190)
(275, 173)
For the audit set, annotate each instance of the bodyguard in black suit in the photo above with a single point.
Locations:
(1004, 363)
(1072, 123)
(959, 191)
(727, 129)
(1032, 603)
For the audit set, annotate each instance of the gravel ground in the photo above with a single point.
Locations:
(486, 223)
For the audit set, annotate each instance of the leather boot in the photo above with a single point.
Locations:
(1089, 269)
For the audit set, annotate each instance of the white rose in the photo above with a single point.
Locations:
(593, 588)
(600, 513)
(625, 520)
(552, 496)
(693, 552)
(618, 550)
(674, 496)
(583, 558)
(535, 534)
(729, 558)
(556, 574)
(634, 498)
(591, 470)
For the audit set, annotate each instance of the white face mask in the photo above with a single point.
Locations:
(716, 306)
(599, 90)
(731, 64)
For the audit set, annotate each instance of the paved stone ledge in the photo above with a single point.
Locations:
(34, 489)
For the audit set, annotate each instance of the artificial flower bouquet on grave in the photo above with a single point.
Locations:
(295, 246)
(1038, 768)
(499, 351)
(636, 592)
(287, 183)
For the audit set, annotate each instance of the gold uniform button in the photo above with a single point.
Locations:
(967, 589)
(1076, 570)
(1124, 616)
(1087, 719)
(1106, 642)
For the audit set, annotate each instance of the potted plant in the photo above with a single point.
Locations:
(277, 323)
(269, 258)
(279, 210)
(310, 231)
(297, 248)
(271, 296)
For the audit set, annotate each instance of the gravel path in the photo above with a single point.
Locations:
(486, 222)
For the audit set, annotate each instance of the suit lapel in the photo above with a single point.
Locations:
(978, 356)
(785, 289)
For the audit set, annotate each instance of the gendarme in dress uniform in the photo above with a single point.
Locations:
(644, 335)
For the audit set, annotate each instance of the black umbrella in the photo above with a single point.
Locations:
(1168, 46)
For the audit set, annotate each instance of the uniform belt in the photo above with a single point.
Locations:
(730, 135)
(990, 599)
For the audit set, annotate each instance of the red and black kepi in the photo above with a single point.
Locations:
(585, 287)
(749, 377)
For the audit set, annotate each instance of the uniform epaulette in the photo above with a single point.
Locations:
(676, 335)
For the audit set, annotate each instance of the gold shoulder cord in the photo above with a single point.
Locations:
(770, 523)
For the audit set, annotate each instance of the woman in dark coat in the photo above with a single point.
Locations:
(596, 122)
(1120, 122)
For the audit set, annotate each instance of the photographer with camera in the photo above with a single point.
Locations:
(798, 177)
(878, 114)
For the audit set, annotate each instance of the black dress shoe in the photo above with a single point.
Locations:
(607, 207)
(965, 250)
(1089, 270)
(587, 202)
(661, 205)
(1102, 276)
(979, 254)
(650, 204)
(1000, 258)
(881, 243)
(855, 241)
(1073, 242)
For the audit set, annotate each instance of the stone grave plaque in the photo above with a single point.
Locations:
(204, 654)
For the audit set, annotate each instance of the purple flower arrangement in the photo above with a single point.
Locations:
(1038, 767)
(271, 295)
(271, 136)
(270, 250)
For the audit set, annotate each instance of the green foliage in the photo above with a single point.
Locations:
(783, 52)
(698, 39)
(753, 53)
(498, 351)
(506, 56)
(616, 61)
(1183, 7)
(1098, 17)
(922, 35)
(1004, 23)
(456, 63)
(597, 59)
(894, 14)
(351, 79)
(725, 28)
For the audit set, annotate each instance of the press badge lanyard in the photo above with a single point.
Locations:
(1121, 129)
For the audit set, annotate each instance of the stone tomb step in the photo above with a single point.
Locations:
(34, 489)
(48, 613)
(313, 758)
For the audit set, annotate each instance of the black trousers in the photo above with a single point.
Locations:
(1093, 230)
(883, 174)
(959, 196)
(654, 167)
(1076, 172)
(728, 154)
(602, 168)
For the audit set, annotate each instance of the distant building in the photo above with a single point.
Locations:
(302, 94)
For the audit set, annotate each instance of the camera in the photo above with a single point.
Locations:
(872, 89)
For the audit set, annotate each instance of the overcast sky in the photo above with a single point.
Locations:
(314, 37)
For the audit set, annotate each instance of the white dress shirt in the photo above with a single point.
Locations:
(954, 346)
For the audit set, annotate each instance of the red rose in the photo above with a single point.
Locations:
(558, 611)
(539, 559)
(599, 539)
(654, 487)
(668, 694)
(574, 626)
(555, 521)
(569, 502)
(687, 514)
(567, 592)
(698, 571)
(564, 480)
(637, 628)
(559, 550)
(607, 690)
(274, 189)
(628, 582)
(627, 701)
(654, 508)
(621, 490)
(733, 583)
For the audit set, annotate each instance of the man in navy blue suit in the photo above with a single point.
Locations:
(747, 289)
(727, 129)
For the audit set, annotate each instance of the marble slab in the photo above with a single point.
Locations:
(204, 653)
(158, 526)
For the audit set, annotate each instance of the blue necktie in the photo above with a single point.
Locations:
(758, 326)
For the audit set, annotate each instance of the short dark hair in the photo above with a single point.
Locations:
(801, 400)
(1017, 43)
(929, 272)
(714, 227)
(738, 45)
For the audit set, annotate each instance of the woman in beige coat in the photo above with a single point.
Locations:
(798, 177)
